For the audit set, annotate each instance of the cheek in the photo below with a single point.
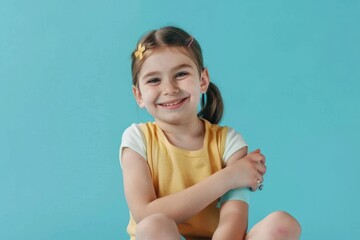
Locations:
(196, 96)
(148, 97)
(196, 91)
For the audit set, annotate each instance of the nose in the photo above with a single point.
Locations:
(170, 88)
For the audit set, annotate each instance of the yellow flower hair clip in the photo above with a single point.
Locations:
(140, 51)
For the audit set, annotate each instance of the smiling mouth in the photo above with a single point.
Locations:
(173, 104)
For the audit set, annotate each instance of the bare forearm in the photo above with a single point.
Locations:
(230, 229)
(143, 201)
(233, 221)
(184, 204)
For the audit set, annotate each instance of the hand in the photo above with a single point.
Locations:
(247, 171)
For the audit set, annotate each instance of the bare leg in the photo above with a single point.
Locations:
(276, 226)
(157, 226)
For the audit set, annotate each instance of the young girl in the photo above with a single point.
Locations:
(185, 177)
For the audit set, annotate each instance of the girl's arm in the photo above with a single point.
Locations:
(233, 214)
(142, 200)
(233, 221)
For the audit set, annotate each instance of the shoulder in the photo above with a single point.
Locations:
(134, 130)
(133, 138)
(233, 134)
(234, 142)
(216, 130)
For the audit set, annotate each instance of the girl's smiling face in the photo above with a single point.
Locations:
(170, 85)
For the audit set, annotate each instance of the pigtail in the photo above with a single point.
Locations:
(212, 108)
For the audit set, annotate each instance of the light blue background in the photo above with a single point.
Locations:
(290, 77)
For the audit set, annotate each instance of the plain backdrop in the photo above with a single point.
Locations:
(289, 72)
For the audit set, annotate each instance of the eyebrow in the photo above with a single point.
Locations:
(185, 65)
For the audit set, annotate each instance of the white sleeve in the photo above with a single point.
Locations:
(133, 138)
(234, 142)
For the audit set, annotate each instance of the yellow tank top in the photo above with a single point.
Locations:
(174, 169)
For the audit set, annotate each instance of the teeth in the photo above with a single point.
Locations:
(171, 104)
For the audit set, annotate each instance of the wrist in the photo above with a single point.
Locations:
(229, 176)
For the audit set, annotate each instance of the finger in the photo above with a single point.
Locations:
(256, 151)
(261, 168)
(258, 186)
(258, 179)
(263, 158)
(253, 186)
(257, 157)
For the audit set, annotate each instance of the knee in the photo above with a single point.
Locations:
(285, 226)
(157, 226)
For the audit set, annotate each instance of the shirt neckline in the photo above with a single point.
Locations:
(181, 150)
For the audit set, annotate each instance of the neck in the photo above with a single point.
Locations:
(189, 127)
(188, 135)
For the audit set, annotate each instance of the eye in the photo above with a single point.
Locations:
(153, 81)
(181, 75)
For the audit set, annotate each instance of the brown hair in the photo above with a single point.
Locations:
(212, 106)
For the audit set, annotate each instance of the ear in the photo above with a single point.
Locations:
(204, 80)
(138, 96)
